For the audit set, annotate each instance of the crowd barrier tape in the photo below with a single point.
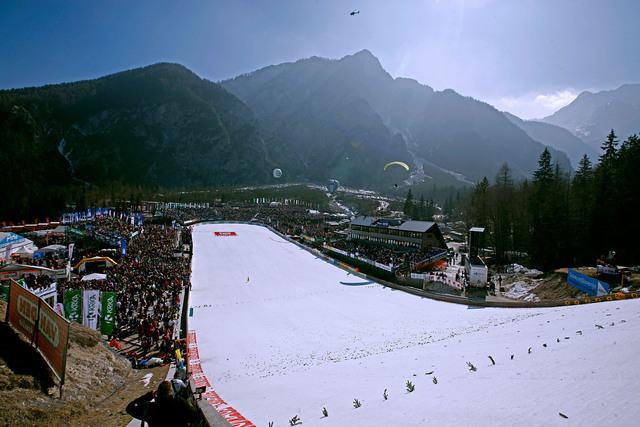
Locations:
(446, 281)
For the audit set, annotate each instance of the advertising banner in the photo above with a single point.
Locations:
(59, 308)
(4, 294)
(587, 284)
(108, 312)
(605, 269)
(73, 305)
(41, 325)
(90, 309)
(53, 335)
(23, 310)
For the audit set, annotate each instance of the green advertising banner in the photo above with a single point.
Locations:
(108, 312)
(73, 305)
(4, 295)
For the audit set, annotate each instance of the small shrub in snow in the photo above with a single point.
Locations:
(356, 403)
(295, 421)
(410, 386)
(471, 367)
(325, 412)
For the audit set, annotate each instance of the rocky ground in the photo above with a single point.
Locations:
(532, 285)
(98, 386)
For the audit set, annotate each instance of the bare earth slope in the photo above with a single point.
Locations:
(98, 386)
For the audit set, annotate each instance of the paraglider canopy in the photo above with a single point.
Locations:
(403, 164)
(332, 185)
(277, 173)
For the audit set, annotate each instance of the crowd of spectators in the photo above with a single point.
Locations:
(298, 220)
(109, 229)
(148, 281)
(37, 283)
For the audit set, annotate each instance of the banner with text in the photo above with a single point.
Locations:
(73, 305)
(587, 284)
(90, 309)
(41, 325)
(4, 295)
(108, 312)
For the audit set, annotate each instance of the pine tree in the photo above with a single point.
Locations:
(610, 155)
(543, 176)
(408, 204)
(502, 213)
(581, 203)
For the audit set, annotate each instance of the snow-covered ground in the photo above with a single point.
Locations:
(282, 333)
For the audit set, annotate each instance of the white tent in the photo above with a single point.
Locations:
(24, 252)
(94, 276)
(52, 248)
(14, 242)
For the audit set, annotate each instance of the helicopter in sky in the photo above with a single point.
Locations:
(354, 12)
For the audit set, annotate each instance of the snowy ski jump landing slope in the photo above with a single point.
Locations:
(282, 333)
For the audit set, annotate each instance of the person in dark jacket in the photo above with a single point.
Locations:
(161, 408)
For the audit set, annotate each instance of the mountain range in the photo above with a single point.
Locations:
(591, 116)
(315, 119)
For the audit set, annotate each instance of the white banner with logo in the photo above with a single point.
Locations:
(91, 309)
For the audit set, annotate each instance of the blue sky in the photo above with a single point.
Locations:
(526, 57)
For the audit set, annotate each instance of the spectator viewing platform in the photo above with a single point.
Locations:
(397, 232)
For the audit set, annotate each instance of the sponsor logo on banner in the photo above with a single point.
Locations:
(73, 305)
(108, 312)
(59, 308)
(28, 314)
(604, 269)
(4, 292)
(225, 233)
(587, 284)
(90, 309)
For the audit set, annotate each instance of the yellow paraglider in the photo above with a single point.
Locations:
(404, 165)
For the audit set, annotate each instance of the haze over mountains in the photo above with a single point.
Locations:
(315, 119)
(591, 116)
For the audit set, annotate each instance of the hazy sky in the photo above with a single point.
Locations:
(528, 57)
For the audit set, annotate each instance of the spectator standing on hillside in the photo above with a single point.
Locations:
(161, 408)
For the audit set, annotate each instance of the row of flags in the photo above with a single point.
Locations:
(261, 200)
(69, 218)
(171, 205)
